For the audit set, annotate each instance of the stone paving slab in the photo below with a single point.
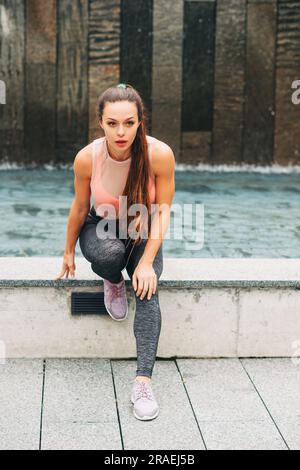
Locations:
(21, 384)
(230, 413)
(277, 381)
(79, 409)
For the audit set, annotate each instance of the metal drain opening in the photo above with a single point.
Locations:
(88, 303)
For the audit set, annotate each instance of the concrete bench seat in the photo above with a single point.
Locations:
(220, 307)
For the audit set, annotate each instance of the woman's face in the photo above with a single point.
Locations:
(120, 122)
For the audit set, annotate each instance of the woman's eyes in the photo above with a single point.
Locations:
(129, 122)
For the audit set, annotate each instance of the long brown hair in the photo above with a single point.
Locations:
(136, 188)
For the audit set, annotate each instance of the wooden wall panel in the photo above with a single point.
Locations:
(72, 78)
(198, 80)
(40, 94)
(287, 133)
(167, 72)
(12, 40)
(229, 85)
(104, 55)
(136, 49)
(196, 147)
(198, 66)
(260, 83)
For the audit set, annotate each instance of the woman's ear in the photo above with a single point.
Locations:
(100, 123)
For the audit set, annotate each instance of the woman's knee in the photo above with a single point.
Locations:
(106, 252)
(109, 262)
(109, 252)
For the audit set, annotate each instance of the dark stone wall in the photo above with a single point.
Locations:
(215, 76)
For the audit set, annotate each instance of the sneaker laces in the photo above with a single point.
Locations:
(116, 289)
(143, 390)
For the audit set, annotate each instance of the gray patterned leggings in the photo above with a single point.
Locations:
(108, 257)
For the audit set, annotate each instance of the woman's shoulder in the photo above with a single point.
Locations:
(158, 145)
(160, 152)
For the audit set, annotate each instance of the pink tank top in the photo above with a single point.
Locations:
(109, 176)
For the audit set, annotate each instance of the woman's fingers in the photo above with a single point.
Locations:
(68, 267)
(71, 269)
(134, 282)
(151, 288)
(146, 286)
(65, 271)
(140, 283)
(145, 289)
(155, 284)
(61, 273)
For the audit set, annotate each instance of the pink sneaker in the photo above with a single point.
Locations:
(145, 404)
(115, 299)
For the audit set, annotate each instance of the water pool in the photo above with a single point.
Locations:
(246, 214)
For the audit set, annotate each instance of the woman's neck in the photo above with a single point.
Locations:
(119, 155)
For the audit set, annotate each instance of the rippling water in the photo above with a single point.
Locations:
(246, 214)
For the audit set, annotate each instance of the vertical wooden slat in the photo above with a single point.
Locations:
(287, 133)
(72, 78)
(196, 147)
(260, 82)
(167, 72)
(136, 48)
(12, 39)
(2, 92)
(104, 55)
(198, 80)
(40, 99)
(229, 81)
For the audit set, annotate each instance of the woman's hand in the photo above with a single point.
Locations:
(144, 280)
(68, 266)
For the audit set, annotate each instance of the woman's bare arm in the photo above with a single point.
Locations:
(81, 202)
(79, 209)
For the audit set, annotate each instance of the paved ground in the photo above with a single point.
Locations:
(204, 404)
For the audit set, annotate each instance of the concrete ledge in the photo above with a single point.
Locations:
(210, 308)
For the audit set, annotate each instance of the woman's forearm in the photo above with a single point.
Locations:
(75, 221)
(159, 227)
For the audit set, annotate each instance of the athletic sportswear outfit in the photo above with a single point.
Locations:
(109, 256)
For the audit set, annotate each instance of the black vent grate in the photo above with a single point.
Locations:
(88, 303)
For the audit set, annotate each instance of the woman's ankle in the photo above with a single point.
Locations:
(143, 378)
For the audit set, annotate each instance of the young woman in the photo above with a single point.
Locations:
(125, 164)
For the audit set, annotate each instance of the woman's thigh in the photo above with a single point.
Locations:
(97, 249)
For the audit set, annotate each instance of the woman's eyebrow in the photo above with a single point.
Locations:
(132, 117)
